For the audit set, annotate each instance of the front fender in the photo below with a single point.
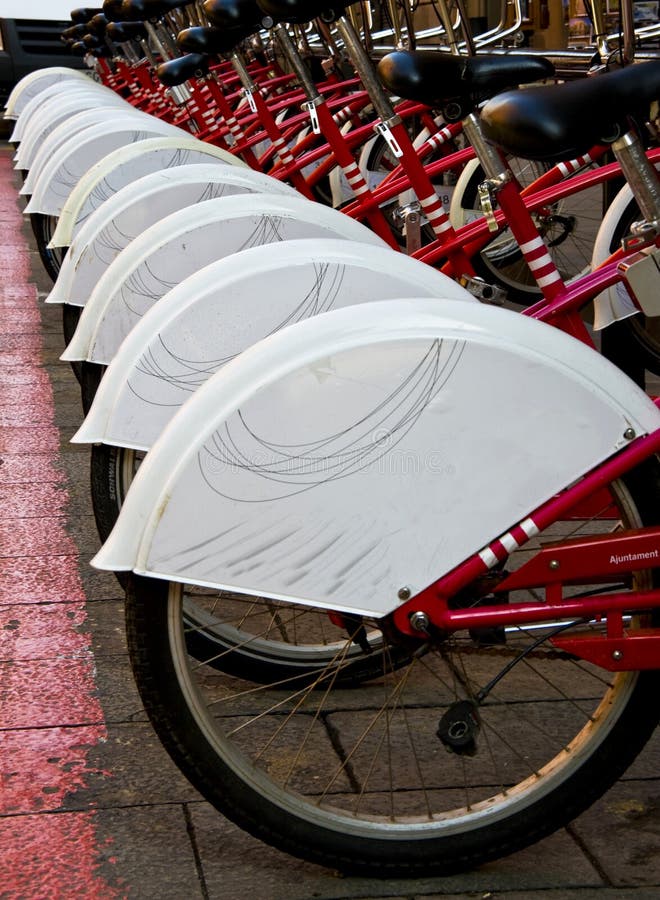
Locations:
(368, 449)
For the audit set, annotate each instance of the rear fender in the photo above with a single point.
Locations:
(369, 449)
(185, 242)
(32, 84)
(215, 314)
(61, 174)
(125, 165)
(130, 211)
(49, 115)
(61, 135)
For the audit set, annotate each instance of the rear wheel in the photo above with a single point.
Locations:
(568, 228)
(43, 227)
(70, 318)
(360, 779)
(643, 331)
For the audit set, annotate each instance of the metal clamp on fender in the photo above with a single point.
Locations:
(640, 275)
(383, 128)
(487, 190)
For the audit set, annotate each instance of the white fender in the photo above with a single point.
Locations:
(368, 449)
(460, 215)
(615, 303)
(62, 173)
(36, 81)
(127, 164)
(62, 135)
(49, 115)
(182, 244)
(218, 312)
(48, 99)
(136, 207)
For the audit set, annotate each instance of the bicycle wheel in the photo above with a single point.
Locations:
(90, 378)
(568, 227)
(643, 330)
(70, 318)
(254, 637)
(359, 779)
(43, 227)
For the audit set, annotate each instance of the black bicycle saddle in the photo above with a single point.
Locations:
(439, 79)
(91, 41)
(301, 11)
(112, 10)
(98, 24)
(563, 121)
(120, 32)
(139, 10)
(199, 39)
(243, 14)
(82, 15)
(176, 71)
(74, 31)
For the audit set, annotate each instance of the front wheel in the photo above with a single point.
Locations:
(356, 777)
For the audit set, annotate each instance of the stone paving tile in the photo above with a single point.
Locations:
(622, 830)
(36, 579)
(555, 862)
(149, 854)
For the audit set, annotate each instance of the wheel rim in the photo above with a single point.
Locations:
(368, 762)
(568, 228)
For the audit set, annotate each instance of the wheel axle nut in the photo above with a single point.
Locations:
(419, 621)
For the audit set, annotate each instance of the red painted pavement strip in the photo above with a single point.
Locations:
(28, 501)
(46, 665)
(16, 470)
(50, 858)
(39, 579)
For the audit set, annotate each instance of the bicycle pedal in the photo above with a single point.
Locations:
(484, 292)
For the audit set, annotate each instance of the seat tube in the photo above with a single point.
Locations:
(394, 132)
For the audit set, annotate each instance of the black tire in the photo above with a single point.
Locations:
(90, 378)
(568, 228)
(43, 227)
(358, 780)
(640, 331)
(70, 318)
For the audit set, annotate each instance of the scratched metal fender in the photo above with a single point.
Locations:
(63, 170)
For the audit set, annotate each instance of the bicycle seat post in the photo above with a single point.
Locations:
(642, 179)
